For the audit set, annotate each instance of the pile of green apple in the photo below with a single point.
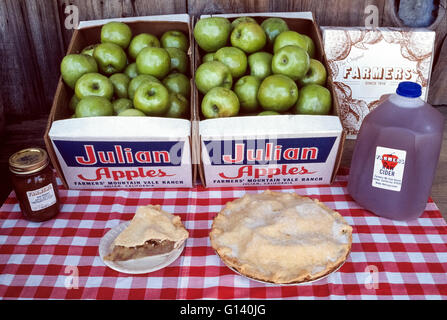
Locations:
(265, 69)
(128, 75)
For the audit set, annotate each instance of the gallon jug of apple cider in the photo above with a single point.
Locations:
(396, 154)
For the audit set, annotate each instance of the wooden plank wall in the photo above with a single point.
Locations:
(33, 41)
(33, 37)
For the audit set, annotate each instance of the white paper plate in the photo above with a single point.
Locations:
(135, 266)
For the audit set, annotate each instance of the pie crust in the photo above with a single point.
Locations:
(152, 231)
(281, 238)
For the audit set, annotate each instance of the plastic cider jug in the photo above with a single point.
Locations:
(396, 155)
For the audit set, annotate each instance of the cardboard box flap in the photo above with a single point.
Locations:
(121, 128)
(270, 125)
(297, 15)
(174, 17)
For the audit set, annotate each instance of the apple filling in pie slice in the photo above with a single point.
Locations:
(281, 237)
(151, 232)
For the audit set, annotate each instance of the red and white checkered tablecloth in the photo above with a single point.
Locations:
(59, 259)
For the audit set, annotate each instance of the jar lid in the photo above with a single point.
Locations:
(28, 161)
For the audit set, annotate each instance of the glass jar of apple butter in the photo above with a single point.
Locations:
(34, 184)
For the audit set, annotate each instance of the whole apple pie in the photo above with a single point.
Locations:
(281, 238)
(151, 232)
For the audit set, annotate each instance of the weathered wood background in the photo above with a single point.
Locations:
(33, 37)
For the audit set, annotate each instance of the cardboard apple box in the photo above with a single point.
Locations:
(367, 64)
(270, 150)
(120, 152)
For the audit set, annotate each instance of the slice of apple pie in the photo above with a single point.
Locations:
(151, 232)
(281, 237)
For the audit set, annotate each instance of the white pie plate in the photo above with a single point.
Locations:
(282, 284)
(135, 266)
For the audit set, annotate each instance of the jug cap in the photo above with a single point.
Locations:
(409, 89)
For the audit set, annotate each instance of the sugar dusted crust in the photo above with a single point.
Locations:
(152, 223)
(281, 238)
(151, 231)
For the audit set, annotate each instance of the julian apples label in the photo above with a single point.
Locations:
(125, 164)
(270, 161)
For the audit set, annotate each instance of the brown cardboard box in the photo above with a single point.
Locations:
(283, 135)
(140, 152)
(367, 64)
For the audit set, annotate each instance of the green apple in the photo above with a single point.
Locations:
(175, 39)
(121, 105)
(246, 89)
(73, 103)
(120, 83)
(116, 32)
(212, 33)
(213, 74)
(260, 64)
(154, 61)
(311, 50)
(249, 37)
(239, 20)
(291, 61)
(290, 38)
(111, 58)
(178, 83)
(277, 93)
(94, 106)
(94, 84)
(220, 102)
(131, 70)
(152, 98)
(89, 50)
(317, 74)
(73, 66)
(273, 27)
(314, 99)
(141, 41)
(179, 59)
(137, 81)
(269, 113)
(131, 113)
(233, 58)
(208, 57)
(178, 106)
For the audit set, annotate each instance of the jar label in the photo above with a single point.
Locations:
(41, 198)
(389, 166)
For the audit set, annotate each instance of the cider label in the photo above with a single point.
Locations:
(389, 166)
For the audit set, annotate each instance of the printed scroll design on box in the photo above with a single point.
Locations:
(368, 63)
